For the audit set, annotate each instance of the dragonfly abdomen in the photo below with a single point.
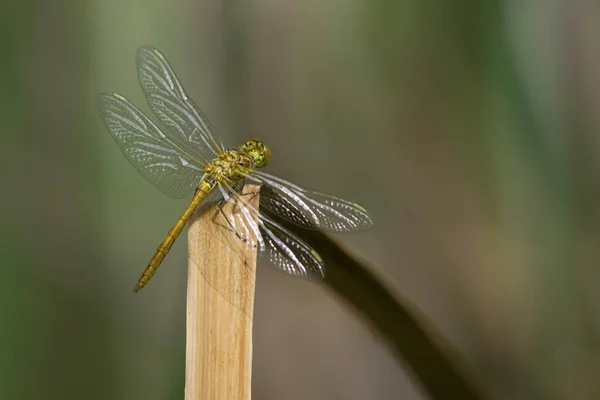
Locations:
(206, 186)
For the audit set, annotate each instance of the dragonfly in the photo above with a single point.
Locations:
(186, 158)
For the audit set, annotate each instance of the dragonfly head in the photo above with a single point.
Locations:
(258, 151)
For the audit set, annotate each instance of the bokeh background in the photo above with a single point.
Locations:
(469, 128)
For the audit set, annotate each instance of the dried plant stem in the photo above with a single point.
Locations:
(220, 302)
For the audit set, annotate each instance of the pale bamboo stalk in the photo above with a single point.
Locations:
(220, 304)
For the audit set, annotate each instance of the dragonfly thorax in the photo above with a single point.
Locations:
(232, 165)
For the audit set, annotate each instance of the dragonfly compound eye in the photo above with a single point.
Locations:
(259, 152)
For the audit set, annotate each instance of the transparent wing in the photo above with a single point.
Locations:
(281, 248)
(168, 100)
(289, 253)
(310, 209)
(170, 166)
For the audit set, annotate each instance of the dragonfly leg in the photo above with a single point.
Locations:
(229, 223)
(252, 194)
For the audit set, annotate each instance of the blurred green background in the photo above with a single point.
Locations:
(470, 130)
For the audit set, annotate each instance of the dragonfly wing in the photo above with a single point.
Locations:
(168, 100)
(310, 209)
(280, 247)
(169, 165)
(288, 252)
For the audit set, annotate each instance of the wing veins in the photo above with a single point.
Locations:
(142, 130)
(170, 165)
(309, 268)
(295, 193)
(170, 103)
